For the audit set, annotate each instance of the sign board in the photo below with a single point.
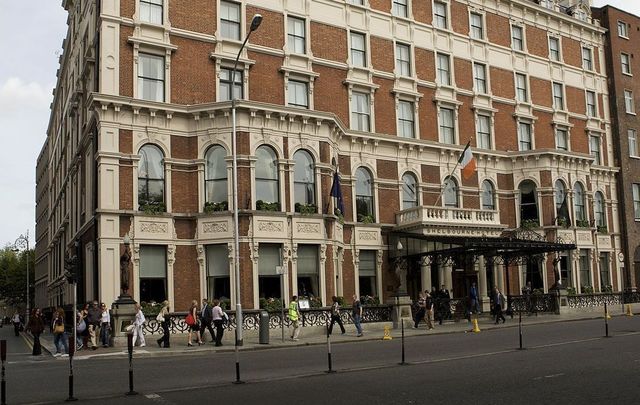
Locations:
(303, 303)
(279, 269)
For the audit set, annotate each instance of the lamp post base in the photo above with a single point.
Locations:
(124, 312)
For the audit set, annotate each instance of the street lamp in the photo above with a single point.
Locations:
(23, 243)
(255, 23)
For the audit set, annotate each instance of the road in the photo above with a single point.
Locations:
(569, 362)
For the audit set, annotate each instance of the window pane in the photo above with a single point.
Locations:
(440, 15)
(225, 84)
(477, 26)
(633, 142)
(446, 126)
(450, 195)
(636, 201)
(304, 178)
(298, 94)
(409, 191)
(516, 38)
(484, 132)
(405, 119)
(480, 76)
(360, 111)
(444, 78)
(358, 54)
(487, 196)
(230, 20)
(524, 132)
(151, 11)
(296, 35)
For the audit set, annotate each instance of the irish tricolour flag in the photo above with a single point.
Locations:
(467, 162)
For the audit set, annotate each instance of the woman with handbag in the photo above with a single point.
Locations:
(105, 325)
(36, 327)
(164, 318)
(81, 328)
(59, 334)
(138, 323)
(192, 322)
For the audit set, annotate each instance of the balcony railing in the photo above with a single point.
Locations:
(449, 216)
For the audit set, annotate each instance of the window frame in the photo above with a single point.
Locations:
(522, 93)
(150, 5)
(364, 175)
(230, 23)
(360, 114)
(635, 195)
(475, 29)
(595, 152)
(215, 181)
(632, 136)
(293, 85)
(141, 80)
(587, 62)
(406, 123)
(449, 192)
(579, 203)
(267, 180)
(300, 182)
(629, 102)
(525, 142)
(146, 200)
(623, 56)
(442, 72)
(517, 43)
(620, 24)
(480, 136)
(403, 66)
(439, 20)
(558, 96)
(599, 211)
(443, 129)
(296, 40)
(591, 104)
(225, 83)
(409, 202)
(400, 8)
(362, 53)
(557, 52)
(558, 131)
(480, 82)
(484, 191)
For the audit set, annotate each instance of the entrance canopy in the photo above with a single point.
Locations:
(511, 247)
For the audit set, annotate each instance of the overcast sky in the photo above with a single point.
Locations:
(31, 33)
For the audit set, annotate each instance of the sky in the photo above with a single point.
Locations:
(31, 35)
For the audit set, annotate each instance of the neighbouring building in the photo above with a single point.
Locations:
(386, 92)
(620, 49)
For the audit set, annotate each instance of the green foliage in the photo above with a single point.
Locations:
(340, 301)
(271, 304)
(267, 206)
(529, 224)
(586, 289)
(225, 304)
(538, 291)
(571, 291)
(369, 300)
(582, 223)
(306, 209)
(150, 309)
(13, 276)
(210, 207)
(366, 219)
(602, 229)
(607, 288)
(562, 222)
(339, 214)
(153, 208)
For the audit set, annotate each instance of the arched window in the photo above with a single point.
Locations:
(528, 204)
(598, 209)
(151, 176)
(560, 195)
(364, 196)
(409, 191)
(488, 196)
(578, 204)
(304, 182)
(267, 179)
(215, 177)
(450, 196)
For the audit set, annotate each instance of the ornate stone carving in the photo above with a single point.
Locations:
(368, 235)
(270, 226)
(215, 227)
(171, 254)
(306, 227)
(153, 227)
(200, 250)
(323, 253)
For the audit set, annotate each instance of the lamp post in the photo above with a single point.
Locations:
(23, 243)
(255, 23)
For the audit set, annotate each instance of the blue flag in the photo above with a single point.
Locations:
(336, 192)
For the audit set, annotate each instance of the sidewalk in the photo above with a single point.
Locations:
(314, 335)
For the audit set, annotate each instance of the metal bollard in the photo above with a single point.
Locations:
(3, 384)
(72, 351)
(606, 321)
(264, 328)
(520, 329)
(130, 350)
(402, 363)
(330, 370)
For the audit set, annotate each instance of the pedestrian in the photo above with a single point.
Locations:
(335, 315)
(138, 324)
(206, 318)
(165, 318)
(356, 313)
(498, 300)
(193, 323)
(526, 292)
(473, 299)
(93, 323)
(428, 305)
(16, 323)
(105, 325)
(36, 327)
(84, 313)
(218, 317)
(59, 334)
(421, 311)
(294, 317)
(81, 330)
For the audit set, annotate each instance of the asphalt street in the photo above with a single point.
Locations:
(567, 362)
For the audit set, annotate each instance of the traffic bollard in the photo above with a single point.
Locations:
(330, 370)
(520, 329)
(72, 351)
(606, 321)
(130, 350)
(3, 384)
(402, 363)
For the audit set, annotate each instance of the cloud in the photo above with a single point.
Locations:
(15, 94)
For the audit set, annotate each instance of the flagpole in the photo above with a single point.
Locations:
(451, 174)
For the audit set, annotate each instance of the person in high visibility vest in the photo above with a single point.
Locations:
(294, 316)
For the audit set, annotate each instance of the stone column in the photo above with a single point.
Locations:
(441, 270)
(448, 278)
(482, 284)
(425, 273)
(499, 275)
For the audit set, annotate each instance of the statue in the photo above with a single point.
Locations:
(125, 259)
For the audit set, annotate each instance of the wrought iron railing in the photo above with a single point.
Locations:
(595, 300)
(534, 303)
(631, 297)
(251, 319)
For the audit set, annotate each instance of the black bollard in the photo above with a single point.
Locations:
(130, 349)
(330, 370)
(606, 321)
(3, 384)
(72, 351)
(520, 329)
(402, 363)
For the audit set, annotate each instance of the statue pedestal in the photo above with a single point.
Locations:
(401, 309)
(123, 311)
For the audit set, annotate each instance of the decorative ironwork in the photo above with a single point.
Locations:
(594, 300)
(534, 303)
(251, 319)
(631, 297)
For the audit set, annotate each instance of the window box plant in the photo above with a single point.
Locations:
(582, 223)
(152, 208)
(602, 229)
(267, 206)
(306, 209)
(210, 206)
(529, 224)
(366, 219)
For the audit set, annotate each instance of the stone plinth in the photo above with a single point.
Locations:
(123, 311)
(401, 309)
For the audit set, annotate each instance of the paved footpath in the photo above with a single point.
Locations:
(317, 335)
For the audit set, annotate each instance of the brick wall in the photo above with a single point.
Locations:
(271, 32)
(422, 11)
(459, 18)
(385, 107)
(183, 181)
(126, 62)
(382, 54)
(182, 15)
(328, 42)
(463, 73)
(502, 83)
(330, 94)
(268, 86)
(183, 147)
(127, 8)
(193, 73)
(498, 29)
(537, 41)
(186, 277)
(540, 92)
(185, 228)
